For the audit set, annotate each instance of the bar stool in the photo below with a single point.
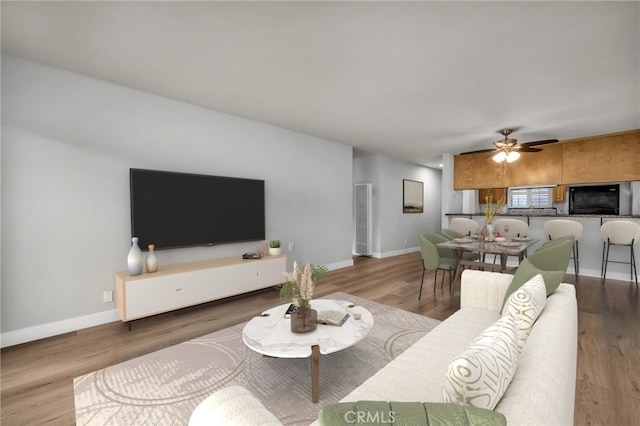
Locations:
(622, 233)
(464, 226)
(559, 228)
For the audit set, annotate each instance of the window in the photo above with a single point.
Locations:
(520, 198)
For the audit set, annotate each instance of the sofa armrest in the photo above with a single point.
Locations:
(233, 405)
(482, 289)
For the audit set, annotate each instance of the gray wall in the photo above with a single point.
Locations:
(67, 145)
(395, 232)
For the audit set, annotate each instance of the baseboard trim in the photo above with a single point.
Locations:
(340, 265)
(37, 332)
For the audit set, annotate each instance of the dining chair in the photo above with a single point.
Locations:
(557, 228)
(451, 234)
(620, 233)
(433, 261)
(465, 226)
(510, 229)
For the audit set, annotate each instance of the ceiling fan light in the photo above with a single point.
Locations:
(500, 157)
(512, 156)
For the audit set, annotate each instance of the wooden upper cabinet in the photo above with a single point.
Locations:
(536, 168)
(473, 171)
(607, 158)
(559, 194)
(477, 171)
(498, 194)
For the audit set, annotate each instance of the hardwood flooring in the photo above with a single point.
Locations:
(37, 377)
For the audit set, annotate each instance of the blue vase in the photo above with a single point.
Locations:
(135, 261)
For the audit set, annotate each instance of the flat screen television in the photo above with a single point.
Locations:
(172, 210)
(598, 199)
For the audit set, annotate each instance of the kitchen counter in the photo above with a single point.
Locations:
(590, 243)
(559, 215)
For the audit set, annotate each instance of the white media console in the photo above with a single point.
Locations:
(180, 286)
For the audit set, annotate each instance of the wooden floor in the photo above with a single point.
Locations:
(37, 377)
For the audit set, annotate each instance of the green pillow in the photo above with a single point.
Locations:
(406, 413)
(526, 271)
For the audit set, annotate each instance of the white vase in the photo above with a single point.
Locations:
(135, 261)
(490, 235)
(151, 264)
(275, 251)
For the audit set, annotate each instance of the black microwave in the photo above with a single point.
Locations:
(596, 199)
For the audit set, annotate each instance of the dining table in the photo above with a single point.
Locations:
(501, 247)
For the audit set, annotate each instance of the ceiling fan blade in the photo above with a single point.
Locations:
(524, 148)
(544, 142)
(478, 152)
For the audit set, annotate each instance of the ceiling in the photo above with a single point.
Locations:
(411, 80)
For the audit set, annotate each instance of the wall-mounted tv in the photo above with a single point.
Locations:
(597, 199)
(170, 209)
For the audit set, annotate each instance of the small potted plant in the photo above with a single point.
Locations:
(274, 248)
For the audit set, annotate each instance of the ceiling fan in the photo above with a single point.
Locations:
(509, 149)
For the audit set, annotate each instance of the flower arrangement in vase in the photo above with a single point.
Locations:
(490, 212)
(299, 289)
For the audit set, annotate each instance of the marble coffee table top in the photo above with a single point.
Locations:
(270, 334)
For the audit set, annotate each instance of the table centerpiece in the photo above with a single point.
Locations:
(299, 289)
(490, 211)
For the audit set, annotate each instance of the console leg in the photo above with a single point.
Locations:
(315, 372)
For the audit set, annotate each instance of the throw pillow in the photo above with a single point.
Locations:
(526, 271)
(481, 374)
(525, 305)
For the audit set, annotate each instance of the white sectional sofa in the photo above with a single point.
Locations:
(542, 391)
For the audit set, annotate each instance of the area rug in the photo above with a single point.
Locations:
(164, 387)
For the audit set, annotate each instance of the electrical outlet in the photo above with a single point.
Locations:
(292, 247)
(107, 296)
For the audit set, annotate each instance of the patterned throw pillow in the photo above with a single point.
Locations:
(481, 374)
(525, 306)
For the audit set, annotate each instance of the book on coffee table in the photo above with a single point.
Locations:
(332, 317)
(290, 310)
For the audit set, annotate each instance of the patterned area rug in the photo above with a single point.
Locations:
(163, 388)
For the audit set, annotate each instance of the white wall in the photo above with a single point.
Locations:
(67, 145)
(396, 232)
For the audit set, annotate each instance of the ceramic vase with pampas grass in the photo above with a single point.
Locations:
(299, 289)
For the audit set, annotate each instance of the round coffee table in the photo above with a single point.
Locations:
(270, 335)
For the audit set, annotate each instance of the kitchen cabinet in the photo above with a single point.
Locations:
(498, 194)
(559, 194)
(600, 159)
(597, 159)
(479, 171)
(473, 171)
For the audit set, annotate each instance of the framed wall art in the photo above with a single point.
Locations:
(412, 196)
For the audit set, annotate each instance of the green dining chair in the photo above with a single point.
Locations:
(432, 260)
(451, 234)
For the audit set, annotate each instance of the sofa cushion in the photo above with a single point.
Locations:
(528, 270)
(525, 305)
(543, 389)
(481, 374)
(406, 413)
